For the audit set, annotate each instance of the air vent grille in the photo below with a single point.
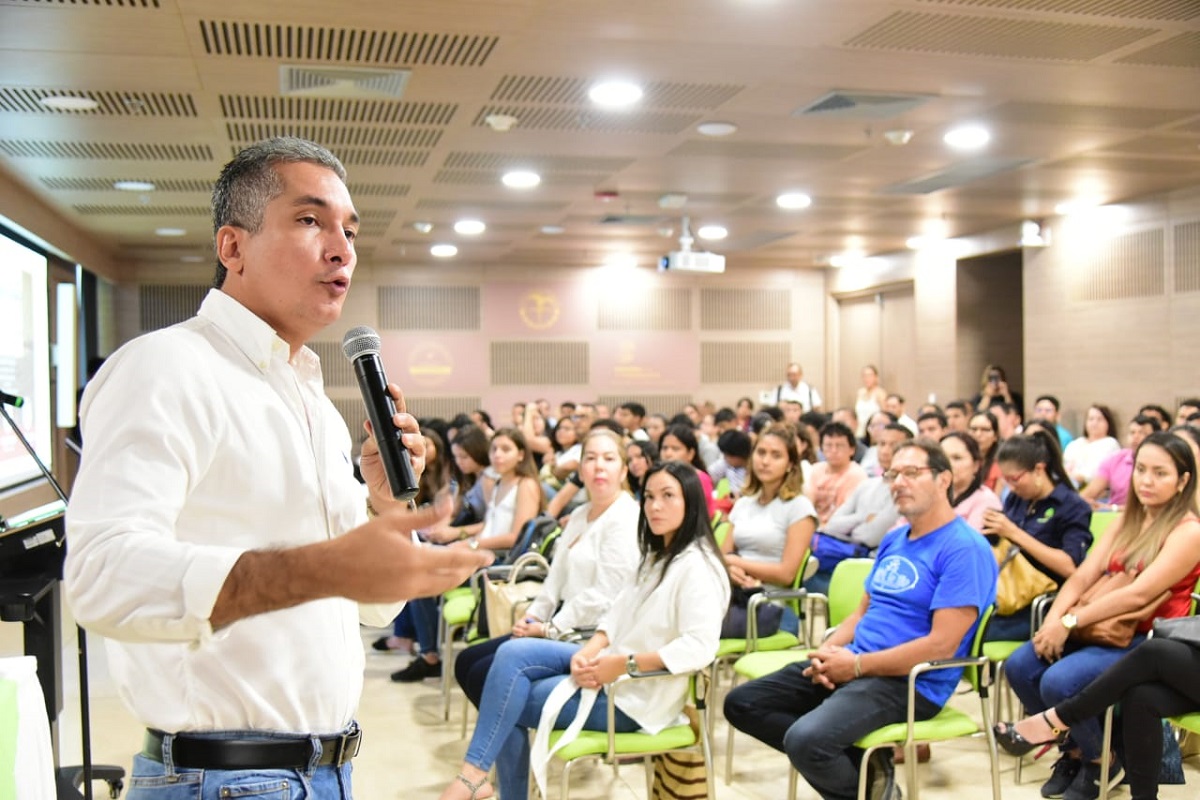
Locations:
(347, 45)
(1137, 9)
(996, 36)
(323, 109)
(106, 184)
(136, 151)
(574, 119)
(573, 91)
(1178, 51)
(134, 4)
(375, 221)
(863, 105)
(362, 157)
(139, 104)
(647, 310)
(442, 407)
(746, 309)
(461, 160)
(1187, 257)
(429, 308)
(142, 211)
(335, 136)
(162, 306)
(491, 177)
(1131, 265)
(539, 363)
(336, 369)
(358, 190)
(752, 363)
(957, 175)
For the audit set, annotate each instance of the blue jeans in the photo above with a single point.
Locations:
(1041, 685)
(1010, 627)
(523, 674)
(154, 781)
(418, 620)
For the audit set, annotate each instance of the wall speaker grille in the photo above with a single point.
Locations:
(336, 369)
(109, 151)
(442, 407)
(141, 104)
(163, 306)
(539, 363)
(746, 310)
(1187, 257)
(757, 363)
(324, 109)
(429, 308)
(667, 404)
(1131, 265)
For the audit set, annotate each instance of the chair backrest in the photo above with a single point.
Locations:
(972, 673)
(1101, 522)
(722, 489)
(532, 538)
(721, 529)
(847, 586)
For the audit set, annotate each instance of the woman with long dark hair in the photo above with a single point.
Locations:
(668, 618)
(970, 498)
(1156, 539)
(642, 456)
(679, 443)
(985, 430)
(1083, 456)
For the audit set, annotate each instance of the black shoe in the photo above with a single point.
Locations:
(381, 644)
(1086, 785)
(1062, 774)
(417, 671)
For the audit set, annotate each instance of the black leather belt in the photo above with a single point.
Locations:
(191, 752)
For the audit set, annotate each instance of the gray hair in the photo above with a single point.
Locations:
(249, 182)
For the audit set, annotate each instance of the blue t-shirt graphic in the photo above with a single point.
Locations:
(950, 567)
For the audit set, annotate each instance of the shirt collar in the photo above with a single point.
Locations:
(252, 335)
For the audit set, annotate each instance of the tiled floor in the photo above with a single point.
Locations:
(410, 752)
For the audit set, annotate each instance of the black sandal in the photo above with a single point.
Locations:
(1015, 744)
(474, 787)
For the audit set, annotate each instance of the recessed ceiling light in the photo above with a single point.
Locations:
(620, 261)
(170, 232)
(521, 179)
(501, 123)
(422, 227)
(69, 103)
(134, 186)
(793, 200)
(614, 94)
(469, 227)
(967, 137)
(552, 230)
(443, 251)
(716, 128)
(712, 232)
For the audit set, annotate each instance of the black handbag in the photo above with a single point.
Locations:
(734, 625)
(1179, 629)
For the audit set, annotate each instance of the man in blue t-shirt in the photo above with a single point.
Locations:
(931, 583)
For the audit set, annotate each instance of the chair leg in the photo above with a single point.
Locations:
(862, 773)
(910, 767)
(649, 762)
(793, 776)
(466, 708)
(1105, 752)
(729, 737)
(565, 783)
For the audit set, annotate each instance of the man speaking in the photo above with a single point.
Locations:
(217, 534)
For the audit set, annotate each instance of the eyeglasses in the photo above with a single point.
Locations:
(1012, 479)
(908, 473)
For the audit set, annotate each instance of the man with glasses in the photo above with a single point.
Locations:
(931, 582)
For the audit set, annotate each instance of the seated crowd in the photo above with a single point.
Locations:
(662, 516)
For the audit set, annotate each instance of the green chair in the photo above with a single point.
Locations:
(948, 724)
(846, 589)
(615, 748)
(1101, 522)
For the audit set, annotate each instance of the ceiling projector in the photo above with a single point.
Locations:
(691, 261)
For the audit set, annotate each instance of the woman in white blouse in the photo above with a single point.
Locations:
(773, 522)
(669, 618)
(1082, 456)
(597, 556)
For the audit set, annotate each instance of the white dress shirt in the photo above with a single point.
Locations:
(592, 563)
(203, 442)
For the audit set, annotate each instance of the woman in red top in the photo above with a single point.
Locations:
(1158, 536)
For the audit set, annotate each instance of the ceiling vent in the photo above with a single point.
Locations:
(957, 175)
(343, 82)
(863, 105)
(641, 220)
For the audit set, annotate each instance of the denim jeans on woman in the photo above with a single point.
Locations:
(1041, 685)
(523, 674)
(151, 780)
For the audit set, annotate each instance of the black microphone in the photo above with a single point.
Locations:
(11, 400)
(361, 346)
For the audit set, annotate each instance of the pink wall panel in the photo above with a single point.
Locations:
(532, 310)
(645, 361)
(436, 363)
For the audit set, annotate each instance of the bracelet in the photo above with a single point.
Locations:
(473, 542)
(858, 665)
(463, 534)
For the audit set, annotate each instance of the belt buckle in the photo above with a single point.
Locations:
(347, 746)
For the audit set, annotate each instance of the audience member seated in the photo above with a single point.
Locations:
(847, 417)
(1160, 414)
(565, 460)
(773, 522)
(792, 411)
(930, 584)
(726, 420)
(537, 434)
(1187, 409)
(1046, 408)
(836, 477)
(1043, 515)
(875, 426)
(745, 412)
(1111, 484)
(868, 399)
(932, 425)
(994, 389)
(1156, 539)
(894, 405)
(969, 497)
(596, 557)
(1191, 435)
(679, 444)
(1008, 416)
(735, 449)
(858, 525)
(1082, 457)
(681, 586)
(630, 417)
(641, 456)
(984, 428)
(958, 415)
(656, 426)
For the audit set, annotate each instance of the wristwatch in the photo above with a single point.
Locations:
(1069, 621)
(631, 666)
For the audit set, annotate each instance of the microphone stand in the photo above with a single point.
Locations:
(69, 779)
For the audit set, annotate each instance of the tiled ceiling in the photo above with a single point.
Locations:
(1082, 96)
